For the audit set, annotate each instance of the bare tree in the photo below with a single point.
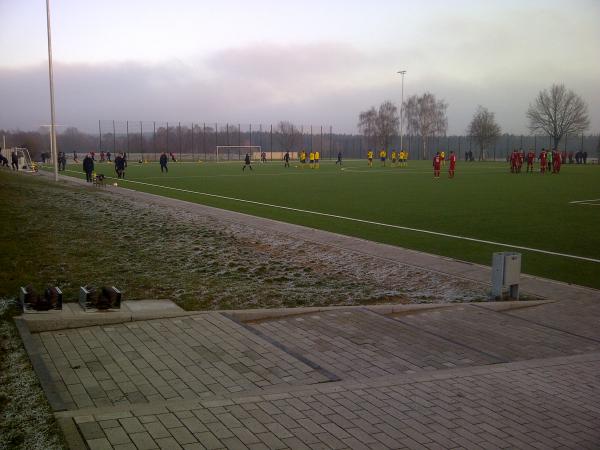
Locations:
(367, 125)
(388, 124)
(289, 136)
(379, 126)
(483, 129)
(426, 117)
(558, 112)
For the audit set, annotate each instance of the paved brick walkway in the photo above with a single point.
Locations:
(536, 404)
(144, 361)
(359, 344)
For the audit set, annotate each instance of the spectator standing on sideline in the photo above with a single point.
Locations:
(88, 167)
(14, 160)
(120, 166)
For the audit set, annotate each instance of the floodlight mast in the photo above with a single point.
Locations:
(402, 72)
(53, 149)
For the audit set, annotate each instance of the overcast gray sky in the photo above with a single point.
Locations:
(310, 62)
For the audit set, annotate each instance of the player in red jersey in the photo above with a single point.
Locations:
(556, 162)
(452, 167)
(520, 159)
(437, 162)
(530, 159)
(543, 158)
(513, 161)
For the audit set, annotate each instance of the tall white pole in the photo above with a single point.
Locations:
(402, 72)
(53, 148)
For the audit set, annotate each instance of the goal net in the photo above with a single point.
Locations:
(237, 152)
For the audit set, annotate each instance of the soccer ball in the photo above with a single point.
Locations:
(115, 184)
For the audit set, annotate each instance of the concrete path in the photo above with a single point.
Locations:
(488, 375)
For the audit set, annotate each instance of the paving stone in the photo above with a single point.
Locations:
(182, 435)
(117, 435)
(91, 430)
(168, 444)
(143, 441)
(99, 444)
(209, 440)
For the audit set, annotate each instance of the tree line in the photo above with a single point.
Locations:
(556, 112)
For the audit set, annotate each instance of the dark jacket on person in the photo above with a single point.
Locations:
(88, 164)
(163, 160)
(119, 163)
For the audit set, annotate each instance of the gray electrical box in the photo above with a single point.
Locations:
(506, 273)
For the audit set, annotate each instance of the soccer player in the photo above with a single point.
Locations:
(370, 158)
(437, 162)
(393, 157)
(550, 157)
(302, 158)
(530, 159)
(443, 158)
(520, 159)
(339, 160)
(247, 162)
(402, 156)
(452, 167)
(311, 158)
(556, 162)
(163, 163)
(513, 161)
(317, 158)
(383, 156)
(543, 157)
(286, 158)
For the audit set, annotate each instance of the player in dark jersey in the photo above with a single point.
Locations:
(247, 162)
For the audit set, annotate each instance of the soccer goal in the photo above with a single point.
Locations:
(237, 152)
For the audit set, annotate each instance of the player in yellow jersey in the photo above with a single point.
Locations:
(370, 158)
(317, 158)
(302, 158)
(311, 158)
(393, 157)
(383, 157)
(401, 156)
(443, 158)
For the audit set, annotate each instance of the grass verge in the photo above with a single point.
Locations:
(26, 420)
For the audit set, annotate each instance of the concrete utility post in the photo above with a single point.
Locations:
(402, 72)
(53, 149)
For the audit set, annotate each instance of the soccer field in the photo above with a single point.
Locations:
(553, 219)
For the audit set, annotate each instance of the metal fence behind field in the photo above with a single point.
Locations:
(189, 141)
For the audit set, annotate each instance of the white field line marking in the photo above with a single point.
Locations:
(585, 201)
(370, 222)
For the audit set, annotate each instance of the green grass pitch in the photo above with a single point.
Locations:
(485, 201)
